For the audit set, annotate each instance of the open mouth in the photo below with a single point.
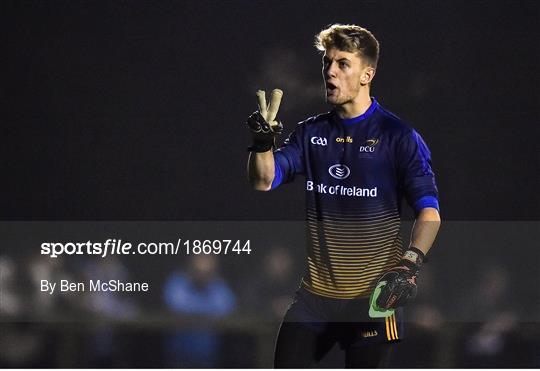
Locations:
(330, 86)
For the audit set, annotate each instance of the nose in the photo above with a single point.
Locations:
(330, 70)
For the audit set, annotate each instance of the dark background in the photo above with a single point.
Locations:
(132, 110)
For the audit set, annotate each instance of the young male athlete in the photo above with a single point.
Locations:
(359, 161)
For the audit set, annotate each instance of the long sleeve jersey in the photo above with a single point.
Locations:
(356, 171)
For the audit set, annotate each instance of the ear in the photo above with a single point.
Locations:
(367, 75)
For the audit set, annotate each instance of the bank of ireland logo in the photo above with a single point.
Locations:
(339, 171)
(369, 145)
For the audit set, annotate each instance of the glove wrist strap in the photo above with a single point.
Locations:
(413, 258)
(260, 147)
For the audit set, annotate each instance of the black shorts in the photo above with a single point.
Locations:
(346, 321)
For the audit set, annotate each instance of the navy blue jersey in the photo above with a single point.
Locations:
(356, 173)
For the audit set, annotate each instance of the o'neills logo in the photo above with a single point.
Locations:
(347, 139)
(369, 334)
(369, 146)
(341, 190)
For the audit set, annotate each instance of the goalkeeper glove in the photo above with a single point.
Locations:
(264, 134)
(400, 280)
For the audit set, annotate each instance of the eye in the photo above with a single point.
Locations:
(343, 65)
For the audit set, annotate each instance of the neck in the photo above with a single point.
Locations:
(358, 106)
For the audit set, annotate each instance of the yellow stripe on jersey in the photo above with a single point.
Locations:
(347, 253)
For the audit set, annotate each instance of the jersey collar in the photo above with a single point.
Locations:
(362, 117)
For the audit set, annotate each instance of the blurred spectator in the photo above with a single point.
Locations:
(43, 303)
(493, 319)
(10, 303)
(197, 291)
(270, 293)
(103, 340)
(24, 343)
(17, 344)
(108, 305)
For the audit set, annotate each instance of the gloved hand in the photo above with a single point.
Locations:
(262, 124)
(400, 280)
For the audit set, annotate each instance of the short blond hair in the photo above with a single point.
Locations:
(349, 38)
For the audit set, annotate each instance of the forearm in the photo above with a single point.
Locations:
(261, 170)
(400, 281)
(425, 229)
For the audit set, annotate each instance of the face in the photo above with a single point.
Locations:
(344, 75)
